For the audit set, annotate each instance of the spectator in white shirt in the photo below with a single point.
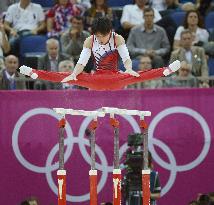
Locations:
(193, 23)
(23, 18)
(133, 14)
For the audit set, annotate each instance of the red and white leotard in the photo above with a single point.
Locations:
(105, 56)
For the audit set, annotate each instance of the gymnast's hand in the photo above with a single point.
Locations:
(132, 72)
(69, 78)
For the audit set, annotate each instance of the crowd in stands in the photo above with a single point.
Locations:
(157, 33)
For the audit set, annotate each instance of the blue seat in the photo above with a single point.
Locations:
(178, 17)
(44, 3)
(32, 44)
(211, 66)
(31, 48)
(118, 3)
(135, 64)
(209, 21)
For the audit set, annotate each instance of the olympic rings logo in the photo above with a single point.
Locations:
(103, 166)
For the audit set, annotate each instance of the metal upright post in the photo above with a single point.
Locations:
(116, 171)
(93, 171)
(146, 170)
(61, 173)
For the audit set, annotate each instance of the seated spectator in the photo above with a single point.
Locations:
(211, 195)
(99, 8)
(68, 66)
(24, 203)
(149, 39)
(160, 5)
(192, 22)
(145, 63)
(33, 201)
(203, 199)
(59, 17)
(193, 202)
(133, 13)
(183, 78)
(82, 4)
(193, 55)
(4, 45)
(73, 39)
(51, 59)
(23, 18)
(132, 16)
(10, 79)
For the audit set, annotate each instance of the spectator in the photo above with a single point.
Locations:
(203, 199)
(10, 79)
(193, 202)
(72, 40)
(133, 191)
(50, 62)
(184, 78)
(132, 14)
(66, 66)
(82, 4)
(211, 195)
(149, 39)
(4, 45)
(192, 22)
(145, 63)
(99, 8)
(24, 203)
(59, 17)
(33, 201)
(52, 57)
(191, 54)
(160, 5)
(23, 18)
(170, 7)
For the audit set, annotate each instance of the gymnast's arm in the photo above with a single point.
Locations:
(124, 54)
(83, 60)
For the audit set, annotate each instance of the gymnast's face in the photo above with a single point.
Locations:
(103, 39)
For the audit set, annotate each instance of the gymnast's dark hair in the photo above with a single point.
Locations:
(101, 25)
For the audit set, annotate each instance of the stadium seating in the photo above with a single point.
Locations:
(31, 47)
(118, 3)
(211, 66)
(178, 17)
(45, 3)
(209, 21)
(135, 64)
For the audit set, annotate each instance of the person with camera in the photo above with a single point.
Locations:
(132, 182)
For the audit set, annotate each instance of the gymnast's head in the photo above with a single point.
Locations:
(102, 28)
